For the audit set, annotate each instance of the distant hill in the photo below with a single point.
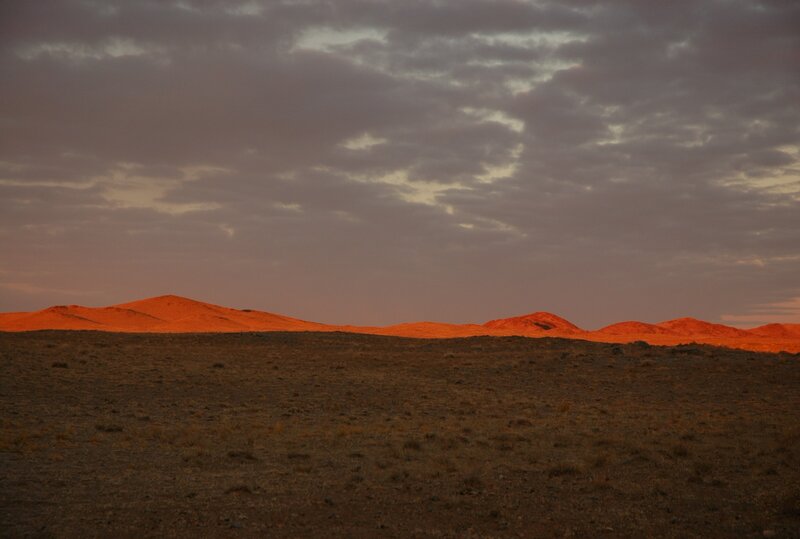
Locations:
(175, 314)
(536, 323)
(635, 328)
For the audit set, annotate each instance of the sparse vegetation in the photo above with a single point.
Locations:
(336, 435)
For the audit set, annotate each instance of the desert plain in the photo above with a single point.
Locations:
(334, 434)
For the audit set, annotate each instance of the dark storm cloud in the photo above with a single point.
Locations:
(365, 161)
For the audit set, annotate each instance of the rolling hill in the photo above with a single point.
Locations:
(175, 314)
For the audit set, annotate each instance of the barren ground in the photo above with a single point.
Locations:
(341, 435)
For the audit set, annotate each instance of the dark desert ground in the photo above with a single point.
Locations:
(343, 435)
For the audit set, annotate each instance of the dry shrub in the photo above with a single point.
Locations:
(448, 465)
(790, 506)
(599, 460)
(563, 469)
(239, 489)
(344, 431)
(473, 482)
(412, 444)
(241, 455)
(108, 427)
(66, 435)
(680, 451)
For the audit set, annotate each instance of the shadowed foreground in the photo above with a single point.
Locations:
(341, 435)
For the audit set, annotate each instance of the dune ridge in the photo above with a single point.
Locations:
(176, 314)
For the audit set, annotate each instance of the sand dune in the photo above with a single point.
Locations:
(536, 323)
(5, 318)
(171, 307)
(163, 314)
(634, 328)
(783, 331)
(694, 327)
(175, 314)
(58, 317)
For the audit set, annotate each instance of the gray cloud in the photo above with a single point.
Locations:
(377, 162)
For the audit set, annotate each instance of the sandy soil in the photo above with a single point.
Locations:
(341, 435)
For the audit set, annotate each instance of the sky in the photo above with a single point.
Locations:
(376, 162)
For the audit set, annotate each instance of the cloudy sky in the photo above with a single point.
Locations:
(375, 162)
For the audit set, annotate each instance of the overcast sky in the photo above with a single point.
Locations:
(358, 161)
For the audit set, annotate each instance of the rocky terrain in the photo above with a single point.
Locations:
(325, 434)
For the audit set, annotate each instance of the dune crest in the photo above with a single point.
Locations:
(692, 327)
(176, 314)
(536, 323)
(634, 328)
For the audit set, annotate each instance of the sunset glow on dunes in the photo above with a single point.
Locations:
(634, 328)
(163, 314)
(175, 314)
(468, 268)
(693, 327)
(780, 331)
(535, 323)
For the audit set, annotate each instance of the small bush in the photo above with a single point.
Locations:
(412, 444)
(563, 469)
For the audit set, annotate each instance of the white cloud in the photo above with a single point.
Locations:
(497, 116)
(414, 191)
(127, 187)
(492, 173)
(324, 38)
(364, 141)
(80, 52)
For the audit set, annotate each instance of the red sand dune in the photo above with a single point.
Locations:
(536, 323)
(694, 327)
(174, 314)
(60, 316)
(781, 331)
(164, 314)
(634, 328)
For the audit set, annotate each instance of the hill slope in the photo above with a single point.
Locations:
(536, 323)
(175, 314)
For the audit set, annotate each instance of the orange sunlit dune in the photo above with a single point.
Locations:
(175, 314)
